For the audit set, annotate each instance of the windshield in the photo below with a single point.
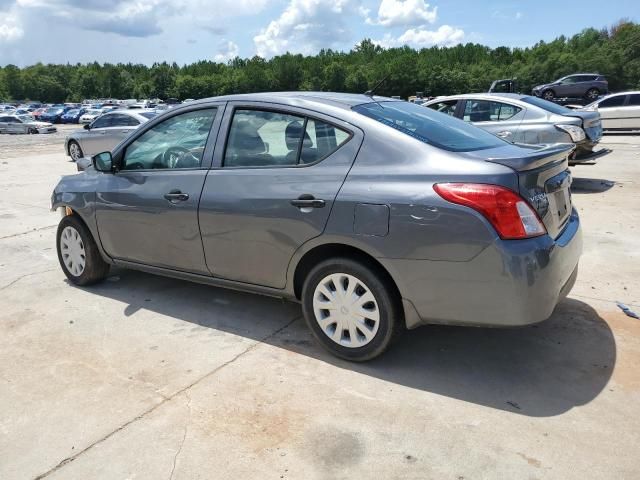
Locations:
(148, 114)
(428, 126)
(54, 110)
(25, 118)
(73, 112)
(546, 105)
(94, 112)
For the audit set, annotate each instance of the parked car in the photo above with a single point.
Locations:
(374, 213)
(525, 119)
(580, 85)
(90, 115)
(38, 112)
(619, 111)
(53, 114)
(105, 132)
(23, 124)
(72, 116)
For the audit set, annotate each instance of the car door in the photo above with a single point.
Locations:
(15, 125)
(4, 124)
(500, 118)
(147, 212)
(271, 189)
(564, 87)
(120, 126)
(94, 139)
(631, 112)
(611, 111)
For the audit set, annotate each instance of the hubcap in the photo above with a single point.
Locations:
(346, 310)
(548, 96)
(74, 150)
(592, 94)
(72, 251)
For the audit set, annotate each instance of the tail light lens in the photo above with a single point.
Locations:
(507, 211)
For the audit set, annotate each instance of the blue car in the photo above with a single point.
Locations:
(54, 114)
(73, 115)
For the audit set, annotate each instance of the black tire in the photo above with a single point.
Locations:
(95, 268)
(390, 323)
(548, 95)
(32, 131)
(592, 94)
(73, 144)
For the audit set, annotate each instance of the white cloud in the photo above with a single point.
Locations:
(10, 28)
(446, 35)
(306, 26)
(227, 50)
(394, 13)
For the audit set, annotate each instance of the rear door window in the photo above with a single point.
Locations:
(634, 100)
(259, 138)
(488, 111)
(120, 120)
(102, 122)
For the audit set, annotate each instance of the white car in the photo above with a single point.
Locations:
(90, 115)
(23, 124)
(618, 111)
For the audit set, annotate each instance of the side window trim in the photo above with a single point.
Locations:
(282, 109)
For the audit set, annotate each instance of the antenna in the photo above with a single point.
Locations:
(370, 93)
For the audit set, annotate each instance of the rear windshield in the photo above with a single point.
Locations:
(546, 105)
(428, 126)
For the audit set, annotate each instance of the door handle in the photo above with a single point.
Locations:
(308, 201)
(504, 134)
(175, 196)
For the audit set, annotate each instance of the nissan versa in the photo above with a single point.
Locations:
(376, 214)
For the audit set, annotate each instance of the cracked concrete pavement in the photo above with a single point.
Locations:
(147, 377)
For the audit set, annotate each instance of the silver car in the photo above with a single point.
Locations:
(376, 214)
(525, 119)
(105, 132)
(23, 124)
(619, 111)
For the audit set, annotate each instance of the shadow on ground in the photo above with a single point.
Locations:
(541, 370)
(591, 185)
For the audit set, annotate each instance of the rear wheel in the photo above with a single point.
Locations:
(78, 253)
(75, 152)
(548, 95)
(592, 94)
(351, 309)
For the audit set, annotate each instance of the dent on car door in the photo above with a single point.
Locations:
(271, 189)
(147, 212)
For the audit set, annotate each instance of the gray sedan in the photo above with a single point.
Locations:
(105, 132)
(525, 119)
(23, 124)
(378, 215)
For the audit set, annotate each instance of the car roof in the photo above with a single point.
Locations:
(482, 96)
(343, 100)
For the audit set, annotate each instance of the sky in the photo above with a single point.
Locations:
(185, 31)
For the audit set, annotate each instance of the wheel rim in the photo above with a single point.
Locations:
(548, 95)
(72, 251)
(592, 94)
(74, 150)
(346, 310)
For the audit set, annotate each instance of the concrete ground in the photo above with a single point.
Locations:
(146, 377)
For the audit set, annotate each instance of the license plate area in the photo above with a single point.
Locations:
(559, 196)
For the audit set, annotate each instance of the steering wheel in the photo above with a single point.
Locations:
(171, 155)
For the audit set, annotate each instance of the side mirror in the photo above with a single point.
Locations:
(103, 162)
(87, 126)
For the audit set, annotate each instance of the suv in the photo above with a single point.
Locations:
(579, 85)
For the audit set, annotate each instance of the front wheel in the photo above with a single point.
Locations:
(33, 131)
(351, 309)
(549, 95)
(75, 152)
(78, 253)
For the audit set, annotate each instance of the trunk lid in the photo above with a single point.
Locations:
(591, 123)
(544, 179)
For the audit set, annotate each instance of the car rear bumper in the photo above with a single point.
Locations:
(510, 283)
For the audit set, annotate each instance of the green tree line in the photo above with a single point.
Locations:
(614, 52)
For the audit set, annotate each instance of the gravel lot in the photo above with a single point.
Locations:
(146, 377)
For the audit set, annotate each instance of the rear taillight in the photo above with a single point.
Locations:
(507, 211)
